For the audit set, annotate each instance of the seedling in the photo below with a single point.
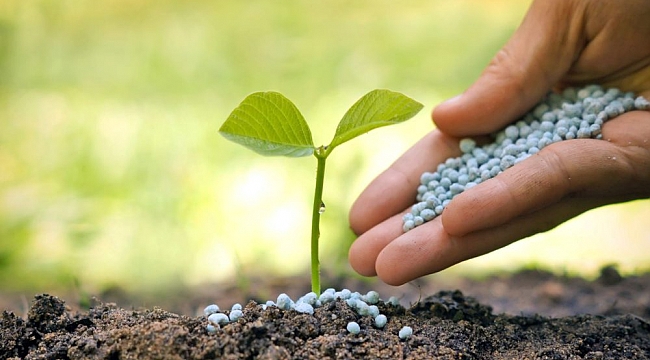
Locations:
(270, 124)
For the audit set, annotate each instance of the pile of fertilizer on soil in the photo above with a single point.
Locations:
(447, 325)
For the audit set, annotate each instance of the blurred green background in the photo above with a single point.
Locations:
(112, 171)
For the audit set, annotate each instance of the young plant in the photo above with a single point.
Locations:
(270, 124)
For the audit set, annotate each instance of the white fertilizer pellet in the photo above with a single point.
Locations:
(573, 114)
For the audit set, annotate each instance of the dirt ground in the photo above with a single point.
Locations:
(528, 315)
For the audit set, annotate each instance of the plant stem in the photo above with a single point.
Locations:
(321, 155)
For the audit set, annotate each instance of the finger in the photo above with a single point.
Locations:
(363, 253)
(429, 248)
(566, 168)
(536, 57)
(396, 188)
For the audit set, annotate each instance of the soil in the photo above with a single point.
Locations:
(528, 315)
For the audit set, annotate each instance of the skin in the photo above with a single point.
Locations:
(560, 43)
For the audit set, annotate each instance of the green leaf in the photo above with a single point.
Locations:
(375, 109)
(269, 124)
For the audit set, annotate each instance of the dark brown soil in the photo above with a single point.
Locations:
(603, 319)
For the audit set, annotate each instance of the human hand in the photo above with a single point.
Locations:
(559, 43)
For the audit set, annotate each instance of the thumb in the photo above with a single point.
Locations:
(535, 59)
